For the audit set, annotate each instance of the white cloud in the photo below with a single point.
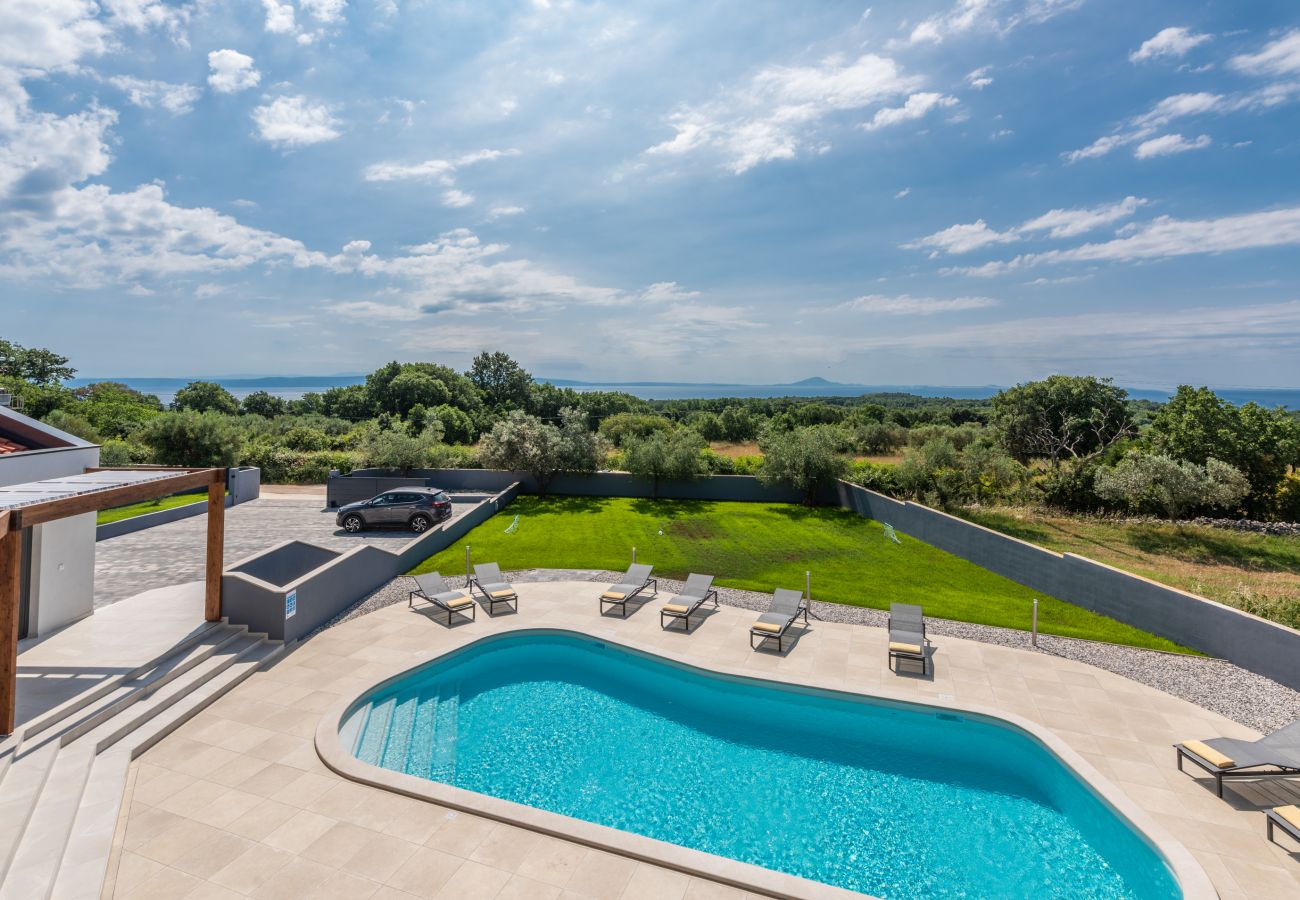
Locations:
(324, 10)
(1100, 147)
(667, 292)
(779, 111)
(1179, 106)
(1166, 237)
(906, 305)
(208, 289)
(175, 98)
(916, 106)
(1279, 57)
(1174, 42)
(1169, 144)
(456, 198)
(979, 79)
(961, 238)
(279, 16)
(1142, 127)
(441, 171)
(903, 193)
(1064, 223)
(988, 16)
(42, 153)
(1058, 223)
(501, 212)
(50, 34)
(231, 71)
(295, 122)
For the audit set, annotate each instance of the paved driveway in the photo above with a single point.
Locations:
(173, 554)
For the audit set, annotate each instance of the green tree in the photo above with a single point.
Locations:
(352, 402)
(415, 388)
(581, 449)
(620, 427)
(990, 473)
(189, 438)
(399, 451)
(524, 443)
(263, 403)
(115, 409)
(1062, 417)
(501, 381)
(206, 396)
(1170, 486)
(33, 365)
(1197, 425)
(738, 424)
(804, 458)
(674, 455)
(72, 423)
(457, 426)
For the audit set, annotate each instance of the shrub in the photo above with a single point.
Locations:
(188, 438)
(677, 455)
(397, 450)
(804, 458)
(117, 452)
(72, 424)
(1153, 481)
(875, 476)
(303, 437)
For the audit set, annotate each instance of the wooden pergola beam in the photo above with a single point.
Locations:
(13, 521)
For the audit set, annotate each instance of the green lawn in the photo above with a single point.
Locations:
(762, 546)
(119, 513)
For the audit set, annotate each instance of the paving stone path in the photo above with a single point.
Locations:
(173, 553)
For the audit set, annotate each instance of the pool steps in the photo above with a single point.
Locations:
(62, 775)
(386, 732)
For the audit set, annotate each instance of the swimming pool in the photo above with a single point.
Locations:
(890, 799)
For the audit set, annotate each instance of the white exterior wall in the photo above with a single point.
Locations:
(38, 465)
(62, 573)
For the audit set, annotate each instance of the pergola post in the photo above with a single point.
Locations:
(216, 549)
(11, 538)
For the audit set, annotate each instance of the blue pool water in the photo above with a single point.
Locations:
(888, 799)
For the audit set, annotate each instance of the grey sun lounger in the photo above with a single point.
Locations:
(1275, 755)
(787, 605)
(493, 586)
(431, 587)
(697, 591)
(1285, 817)
(907, 638)
(634, 582)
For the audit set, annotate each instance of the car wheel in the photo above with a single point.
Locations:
(420, 523)
(353, 523)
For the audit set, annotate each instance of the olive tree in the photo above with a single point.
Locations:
(804, 458)
(659, 455)
(1172, 486)
(525, 443)
(1062, 417)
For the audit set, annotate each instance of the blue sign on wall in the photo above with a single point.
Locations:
(290, 604)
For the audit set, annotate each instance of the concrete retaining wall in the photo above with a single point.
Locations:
(1253, 643)
(326, 582)
(242, 484)
(599, 484)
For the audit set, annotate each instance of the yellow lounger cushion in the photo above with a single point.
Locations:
(1290, 813)
(499, 594)
(767, 627)
(612, 595)
(460, 603)
(896, 647)
(676, 608)
(1209, 754)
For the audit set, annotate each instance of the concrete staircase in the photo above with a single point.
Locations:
(62, 775)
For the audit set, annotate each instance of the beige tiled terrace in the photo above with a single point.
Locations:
(237, 802)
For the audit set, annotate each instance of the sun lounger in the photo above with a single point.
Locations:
(1276, 755)
(1285, 817)
(633, 583)
(493, 586)
(697, 591)
(907, 638)
(787, 605)
(433, 588)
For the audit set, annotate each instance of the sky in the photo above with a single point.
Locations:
(929, 192)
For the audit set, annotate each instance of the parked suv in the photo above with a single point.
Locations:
(417, 508)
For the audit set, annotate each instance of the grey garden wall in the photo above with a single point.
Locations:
(599, 484)
(243, 483)
(1253, 643)
(327, 582)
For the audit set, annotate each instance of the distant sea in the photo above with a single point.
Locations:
(292, 387)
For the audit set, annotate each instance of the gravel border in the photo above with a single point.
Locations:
(1214, 684)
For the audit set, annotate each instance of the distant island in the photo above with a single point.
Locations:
(291, 387)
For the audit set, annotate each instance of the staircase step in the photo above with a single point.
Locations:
(138, 689)
(35, 863)
(84, 699)
(254, 658)
(18, 798)
(80, 875)
(140, 712)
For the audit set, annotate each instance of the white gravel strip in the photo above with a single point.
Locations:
(1213, 684)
